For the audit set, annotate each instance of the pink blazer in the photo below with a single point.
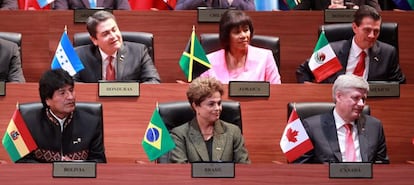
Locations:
(260, 66)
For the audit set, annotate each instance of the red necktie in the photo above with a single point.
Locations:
(110, 71)
(350, 154)
(360, 67)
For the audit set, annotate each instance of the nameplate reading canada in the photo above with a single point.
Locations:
(350, 170)
(2, 88)
(384, 89)
(74, 169)
(249, 88)
(212, 170)
(118, 89)
(339, 15)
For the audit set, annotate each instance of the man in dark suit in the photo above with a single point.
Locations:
(87, 4)
(381, 59)
(109, 58)
(345, 134)
(8, 5)
(10, 62)
(193, 4)
(325, 4)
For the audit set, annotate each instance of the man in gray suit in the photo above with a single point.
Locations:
(345, 134)
(381, 59)
(193, 4)
(10, 62)
(91, 4)
(109, 58)
(8, 5)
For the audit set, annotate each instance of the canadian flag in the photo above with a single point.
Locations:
(295, 141)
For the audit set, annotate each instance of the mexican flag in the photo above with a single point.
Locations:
(323, 62)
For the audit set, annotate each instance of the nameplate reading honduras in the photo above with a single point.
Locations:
(74, 169)
(2, 88)
(249, 88)
(384, 89)
(118, 89)
(213, 170)
(350, 170)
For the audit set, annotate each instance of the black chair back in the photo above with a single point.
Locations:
(343, 31)
(211, 42)
(12, 36)
(145, 38)
(308, 109)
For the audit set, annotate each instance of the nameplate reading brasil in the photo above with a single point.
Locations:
(2, 88)
(118, 89)
(212, 170)
(74, 169)
(350, 170)
(249, 88)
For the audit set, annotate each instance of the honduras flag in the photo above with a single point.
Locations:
(66, 57)
(43, 3)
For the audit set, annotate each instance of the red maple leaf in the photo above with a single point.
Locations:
(291, 135)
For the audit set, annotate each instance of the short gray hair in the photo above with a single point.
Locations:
(349, 81)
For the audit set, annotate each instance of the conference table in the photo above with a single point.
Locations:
(159, 174)
(264, 118)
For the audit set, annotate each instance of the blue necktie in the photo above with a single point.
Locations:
(92, 3)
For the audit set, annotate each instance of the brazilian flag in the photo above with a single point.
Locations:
(157, 140)
(194, 62)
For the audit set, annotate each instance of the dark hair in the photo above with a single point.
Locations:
(51, 81)
(203, 87)
(366, 11)
(95, 19)
(229, 20)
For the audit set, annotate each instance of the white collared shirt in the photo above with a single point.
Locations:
(61, 121)
(353, 59)
(105, 62)
(341, 132)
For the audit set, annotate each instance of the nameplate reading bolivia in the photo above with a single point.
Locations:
(350, 170)
(74, 169)
(384, 89)
(118, 89)
(339, 15)
(2, 88)
(213, 170)
(249, 88)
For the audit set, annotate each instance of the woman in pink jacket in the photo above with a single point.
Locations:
(238, 60)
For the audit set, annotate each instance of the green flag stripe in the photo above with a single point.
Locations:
(322, 42)
(10, 147)
(207, 64)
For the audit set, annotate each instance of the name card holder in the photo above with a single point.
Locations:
(213, 170)
(350, 170)
(384, 89)
(339, 15)
(118, 89)
(72, 169)
(2, 88)
(81, 15)
(249, 89)
(210, 15)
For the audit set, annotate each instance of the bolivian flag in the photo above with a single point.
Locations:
(194, 61)
(18, 140)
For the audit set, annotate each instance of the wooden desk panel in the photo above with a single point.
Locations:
(297, 31)
(126, 118)
(168, 174)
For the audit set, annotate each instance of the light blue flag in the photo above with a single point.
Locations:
(43, 3)
(266, 5)
(66, 57)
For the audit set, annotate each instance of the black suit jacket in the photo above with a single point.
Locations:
(324, 4)
(84, 4)
(383, 63)
(133, 63)
(10, 62)
(322, 132)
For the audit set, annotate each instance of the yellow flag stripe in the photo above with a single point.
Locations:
(197, 59)
(19, 142)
